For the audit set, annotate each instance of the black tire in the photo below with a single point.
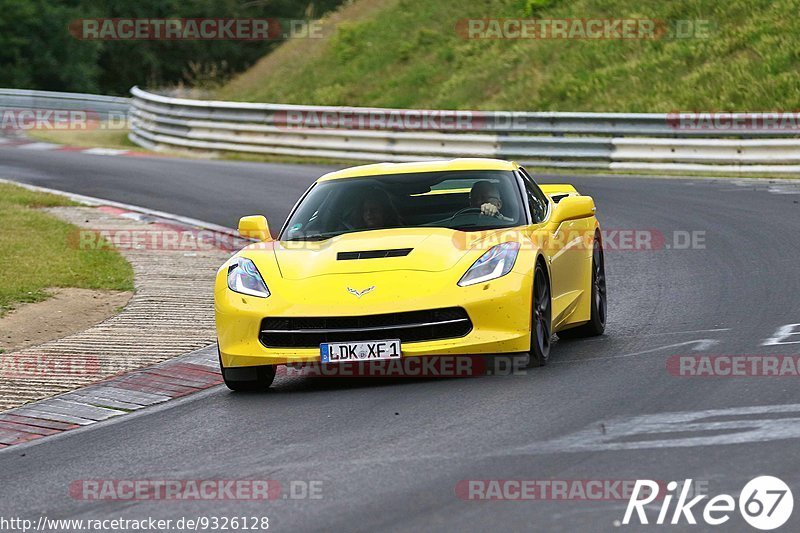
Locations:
(597, 322)
(247, 378)
(541, 319)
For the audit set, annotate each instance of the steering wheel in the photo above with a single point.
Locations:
(476, 210)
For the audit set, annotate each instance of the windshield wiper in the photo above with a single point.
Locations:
(477, 227)
(318, 236)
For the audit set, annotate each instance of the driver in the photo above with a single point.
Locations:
(486, 196)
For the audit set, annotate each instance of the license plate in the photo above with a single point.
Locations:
(339, 352)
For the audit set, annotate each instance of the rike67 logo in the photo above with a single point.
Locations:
(765, 503)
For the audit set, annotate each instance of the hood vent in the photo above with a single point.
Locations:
(373, 254)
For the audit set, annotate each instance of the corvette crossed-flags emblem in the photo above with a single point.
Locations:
(360, 293)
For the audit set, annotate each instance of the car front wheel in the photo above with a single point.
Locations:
(541, 322)
(597, 321)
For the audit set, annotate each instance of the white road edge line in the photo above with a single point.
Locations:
(93, 201)
(648, 335)
(701, 345)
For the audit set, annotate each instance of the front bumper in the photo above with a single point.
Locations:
(500, 311)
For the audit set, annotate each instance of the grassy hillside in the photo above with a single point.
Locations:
(407, 53)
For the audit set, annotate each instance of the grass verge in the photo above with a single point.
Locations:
(37, 254)
(90, 138)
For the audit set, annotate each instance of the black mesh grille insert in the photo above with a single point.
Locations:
(373, 254)
(412, 326)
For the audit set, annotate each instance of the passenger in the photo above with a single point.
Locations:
(377, 210)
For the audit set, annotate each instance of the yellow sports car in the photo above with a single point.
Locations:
(392, 261)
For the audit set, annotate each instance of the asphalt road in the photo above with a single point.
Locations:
(389, 454)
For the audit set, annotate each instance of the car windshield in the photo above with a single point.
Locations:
(460, 200)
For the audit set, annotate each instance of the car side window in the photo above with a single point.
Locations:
(537, 201)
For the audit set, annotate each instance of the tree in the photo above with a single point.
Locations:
(37, 50)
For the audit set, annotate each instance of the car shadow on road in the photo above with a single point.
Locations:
(413, 370)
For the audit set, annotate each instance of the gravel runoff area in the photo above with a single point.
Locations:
(170, 314)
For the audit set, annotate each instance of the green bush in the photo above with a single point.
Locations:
(534, 8)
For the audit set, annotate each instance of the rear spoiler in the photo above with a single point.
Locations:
(559, 191)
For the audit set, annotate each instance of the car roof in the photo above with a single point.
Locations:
(378, 169)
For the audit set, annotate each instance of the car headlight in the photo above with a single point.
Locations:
(496, 262)
(243, 277)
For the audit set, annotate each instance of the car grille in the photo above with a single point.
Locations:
(412, 326)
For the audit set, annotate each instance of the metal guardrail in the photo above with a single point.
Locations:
(104, 107)
(610, 141)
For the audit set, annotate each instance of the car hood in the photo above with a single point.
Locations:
(423, 249)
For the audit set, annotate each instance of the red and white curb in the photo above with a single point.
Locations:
(123, 393)
(28, 144)
(135, 211)
(111, 398)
